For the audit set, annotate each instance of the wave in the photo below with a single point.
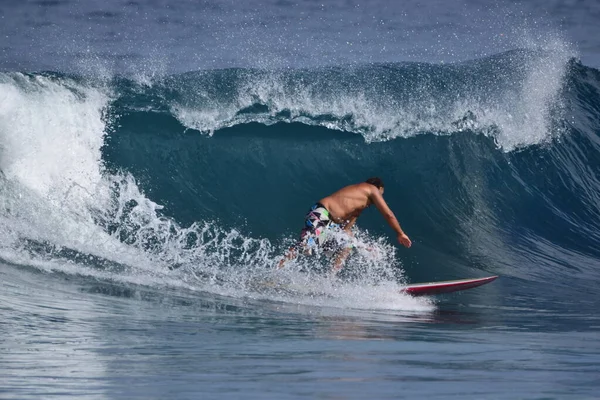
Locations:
(200, 180)
(496, 96)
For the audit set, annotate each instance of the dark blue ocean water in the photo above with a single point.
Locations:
(157, 158)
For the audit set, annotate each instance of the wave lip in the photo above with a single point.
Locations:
(515, 97)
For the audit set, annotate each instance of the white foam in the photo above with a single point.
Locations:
(515, 116)
(51, 135)
(54, 186)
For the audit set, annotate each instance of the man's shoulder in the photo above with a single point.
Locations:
(365, 186)
(357, 189)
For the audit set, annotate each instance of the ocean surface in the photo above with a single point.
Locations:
(158, 157)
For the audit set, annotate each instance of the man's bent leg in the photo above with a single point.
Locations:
(291, 253)
(341, 259)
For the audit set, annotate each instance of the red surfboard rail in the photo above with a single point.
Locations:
(430, 288)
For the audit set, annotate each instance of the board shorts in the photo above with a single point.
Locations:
(316, 224)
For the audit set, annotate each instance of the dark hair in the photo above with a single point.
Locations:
(375, 181)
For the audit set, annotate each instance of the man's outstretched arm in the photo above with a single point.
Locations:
(389, 216)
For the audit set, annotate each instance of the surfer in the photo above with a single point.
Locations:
(340, 211)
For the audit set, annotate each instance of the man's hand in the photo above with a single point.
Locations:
(404, 240)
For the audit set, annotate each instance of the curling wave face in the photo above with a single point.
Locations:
(200, 180)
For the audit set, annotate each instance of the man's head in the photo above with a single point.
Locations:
(377, 182)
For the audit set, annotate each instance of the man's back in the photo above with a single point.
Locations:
(348, 202)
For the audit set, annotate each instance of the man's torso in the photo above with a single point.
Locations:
(347, 203)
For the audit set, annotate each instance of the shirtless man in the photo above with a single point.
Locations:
(343, 208)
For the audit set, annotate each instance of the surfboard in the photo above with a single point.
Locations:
(430, 288)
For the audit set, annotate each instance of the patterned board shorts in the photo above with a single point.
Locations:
(316, 224)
